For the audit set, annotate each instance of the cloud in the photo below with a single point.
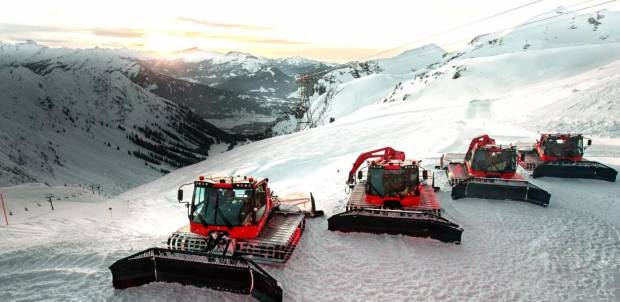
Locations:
(224, 25)
(36, 32)
(60, 42)
(10, 28)
(329, 54)
(25, 29)
(278, 41)
(118, 33)
(237, 38)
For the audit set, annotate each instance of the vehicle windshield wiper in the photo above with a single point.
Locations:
(495, 166)
(372, 187)
(202, 211)
(217, 210)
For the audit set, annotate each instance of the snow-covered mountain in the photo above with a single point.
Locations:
(494, 64)
(360, 84)
(243, 73)
(194, 54)
(94, 116)
(56, 100)
(120, 99)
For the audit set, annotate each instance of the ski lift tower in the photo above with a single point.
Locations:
(306, 81)
(303, 112)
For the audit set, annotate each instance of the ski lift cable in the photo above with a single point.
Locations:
(517, 26)
(562, 13)
(454, 28)
(352, 64)
(474, 22)
(431, 36)
(544, 19)
(507, 28)
(532, 22)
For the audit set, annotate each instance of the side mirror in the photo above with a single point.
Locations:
(424, 174)
(360, 175)
(589, 142)
(180, 195)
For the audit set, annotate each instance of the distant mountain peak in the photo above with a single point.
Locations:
(240, 54)
(299, 60)
(195, 54)
(423, 48)
(30, 42)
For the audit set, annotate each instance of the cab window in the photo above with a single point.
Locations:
(261, 201)
(217, 206)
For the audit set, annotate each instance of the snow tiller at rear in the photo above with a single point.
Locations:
(393, 198)
(489, 171)
(561, 155)
(234, 223)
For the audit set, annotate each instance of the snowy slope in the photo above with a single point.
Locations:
(77, 116)
(592, 105)
(493, 64)
(412, 60)
(568, 29)
(259, 89)
(510, 251)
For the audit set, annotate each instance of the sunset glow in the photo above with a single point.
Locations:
(329, 30)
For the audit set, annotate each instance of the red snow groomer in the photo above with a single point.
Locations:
(234, 222)
(561, 155)
(489, 170)
(393, 198)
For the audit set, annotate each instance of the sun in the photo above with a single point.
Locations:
(163, 44)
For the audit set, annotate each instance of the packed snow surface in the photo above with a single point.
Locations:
(511, 250)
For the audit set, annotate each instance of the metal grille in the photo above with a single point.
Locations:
(357, 201)
(190, 257)
(275, 244)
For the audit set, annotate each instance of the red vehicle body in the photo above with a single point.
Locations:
(545, 139)
(414, 193)
(561, 155)
(488, 144)
(488, 170)
(234, 222)
(249, 231)
(393, 198)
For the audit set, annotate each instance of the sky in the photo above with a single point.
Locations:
(332, 30)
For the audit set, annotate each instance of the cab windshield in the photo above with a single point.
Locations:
(495, 161)
(564, 147)
(222, 207)
(384, 182)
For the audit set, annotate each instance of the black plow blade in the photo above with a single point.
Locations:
(384, 221)
(501, 189)
(223, 273)
(575, 169)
